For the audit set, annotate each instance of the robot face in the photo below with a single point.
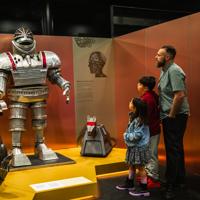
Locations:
(23, 42)
(23, 36)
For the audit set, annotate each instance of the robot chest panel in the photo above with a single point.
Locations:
(28, 72)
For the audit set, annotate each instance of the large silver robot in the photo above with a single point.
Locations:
(28, 72)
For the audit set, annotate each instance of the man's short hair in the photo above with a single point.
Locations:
(148, 81)
(170, 50)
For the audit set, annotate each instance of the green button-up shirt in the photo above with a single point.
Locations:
(172, 79)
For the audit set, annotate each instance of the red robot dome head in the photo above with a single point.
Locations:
(23, 41)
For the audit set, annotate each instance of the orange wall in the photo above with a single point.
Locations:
(60, 131)
(134, 57)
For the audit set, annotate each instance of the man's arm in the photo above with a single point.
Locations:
(177, 101)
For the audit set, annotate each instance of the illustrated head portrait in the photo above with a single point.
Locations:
(97, 61)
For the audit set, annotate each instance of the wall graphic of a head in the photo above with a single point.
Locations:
(97, 61)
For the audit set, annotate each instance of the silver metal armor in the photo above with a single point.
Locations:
(29, 72)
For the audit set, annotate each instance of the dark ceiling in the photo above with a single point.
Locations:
(103, 18)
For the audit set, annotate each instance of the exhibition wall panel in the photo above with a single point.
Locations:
(94, 82)
(192, 137)
(61, 123)
(175, 33)
(129, 66)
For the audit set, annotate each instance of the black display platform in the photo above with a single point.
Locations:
(37, 163)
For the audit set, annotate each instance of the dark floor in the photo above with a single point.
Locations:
(108, 191)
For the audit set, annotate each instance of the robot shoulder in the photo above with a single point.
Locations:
(51, 59)
(6, 61)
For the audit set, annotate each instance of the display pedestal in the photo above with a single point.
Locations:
(37, 163)
(62, 182)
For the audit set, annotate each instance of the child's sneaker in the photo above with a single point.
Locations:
(128, 185)
(140, 191)
(151, 183)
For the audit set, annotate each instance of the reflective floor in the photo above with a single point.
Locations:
(108, 191)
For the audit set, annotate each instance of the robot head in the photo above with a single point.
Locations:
(23, 41)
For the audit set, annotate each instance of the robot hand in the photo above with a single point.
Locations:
(66, 93)
(3, 106)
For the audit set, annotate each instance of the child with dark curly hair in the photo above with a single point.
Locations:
(146, 91)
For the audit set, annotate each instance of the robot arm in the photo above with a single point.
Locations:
(3, 106)
(55, 78)
(53, 63)
(3, 81)
(5, 65)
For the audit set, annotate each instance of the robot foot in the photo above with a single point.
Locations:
(19, 158)
(45, 153)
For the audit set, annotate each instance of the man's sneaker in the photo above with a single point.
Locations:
(169, 193)
(128, 185)
(151, 183)
(139, 193)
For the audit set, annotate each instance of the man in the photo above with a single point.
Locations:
(174, 111)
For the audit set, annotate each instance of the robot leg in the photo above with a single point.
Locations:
(17, 119)
(39, 123)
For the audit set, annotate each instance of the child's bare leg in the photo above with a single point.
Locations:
(142, 189)
(143, 174)
(132, 171)
(129, 182)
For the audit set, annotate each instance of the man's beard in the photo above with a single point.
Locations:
(160, 63)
